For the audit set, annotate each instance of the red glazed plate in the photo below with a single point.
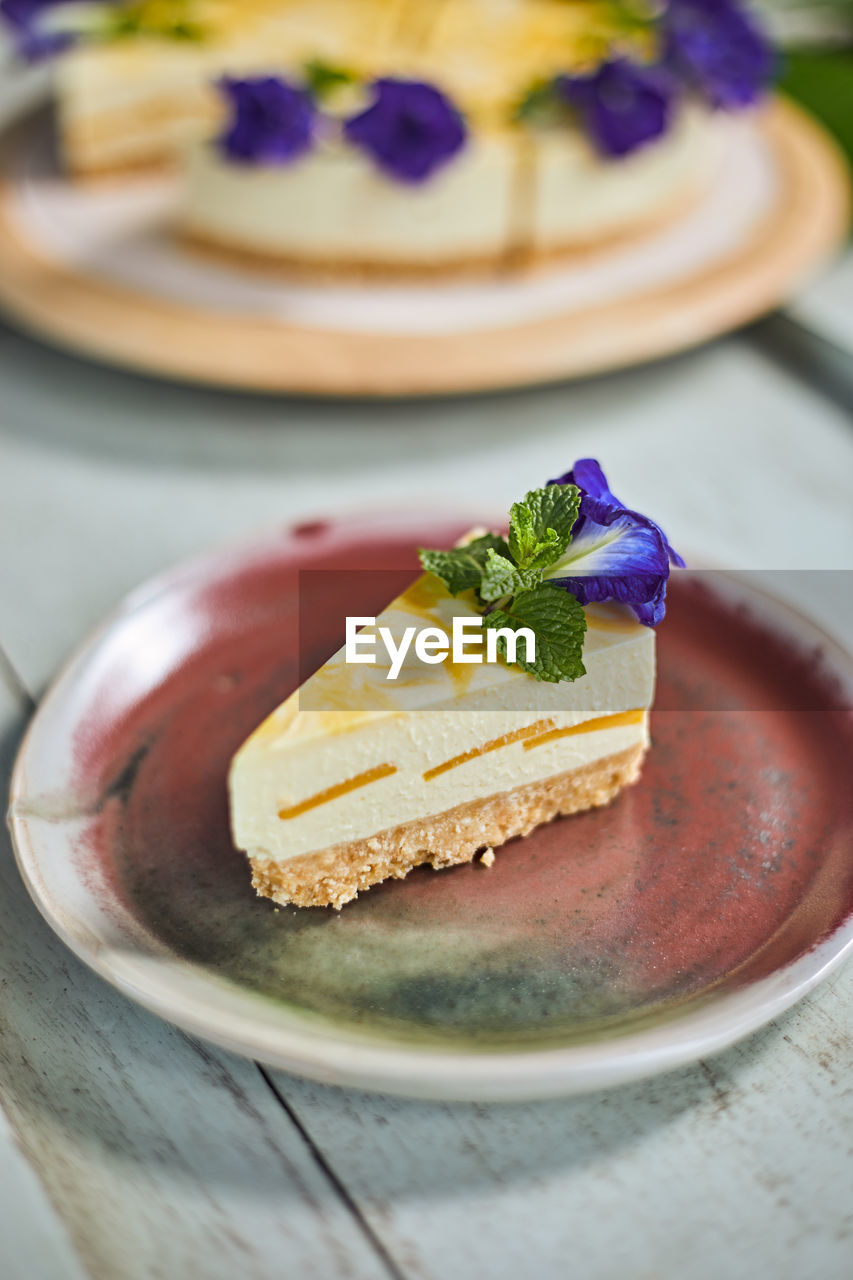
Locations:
(602, 948)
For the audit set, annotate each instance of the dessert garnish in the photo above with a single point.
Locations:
(627, 98)
(272, 121)
(570, 544)
(718, 49)
(410, 129)
(621, 105)
(714, 50)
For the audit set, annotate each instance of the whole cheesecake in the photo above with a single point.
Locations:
(394, 136)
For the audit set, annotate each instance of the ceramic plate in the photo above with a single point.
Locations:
(97, 267)
(602, 948)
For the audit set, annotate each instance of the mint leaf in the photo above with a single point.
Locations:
(528, 547)
(462, 568)
(540, 527)
(559, 625)
(502, 578)
(522, 541)
(554, 510)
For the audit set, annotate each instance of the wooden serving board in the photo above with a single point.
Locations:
(71, 294)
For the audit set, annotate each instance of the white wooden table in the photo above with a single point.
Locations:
(128, 1149)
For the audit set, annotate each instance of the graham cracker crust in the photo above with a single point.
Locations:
(336, 875)
(85, 175)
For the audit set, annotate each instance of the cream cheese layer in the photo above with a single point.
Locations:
(508, 190)
(351, 754)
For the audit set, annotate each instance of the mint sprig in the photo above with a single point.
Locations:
(506, 576)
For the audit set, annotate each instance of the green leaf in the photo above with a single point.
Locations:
(322, 77)
(554, 510)
(540, 527)
(541, 104)
(507, 574)
(632, 17)
(522, 541)
(462, 568)
(526, 546)
(139, 18)
(559, 625)
(503, 578)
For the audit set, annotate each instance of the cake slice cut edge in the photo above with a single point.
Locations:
(336, 875)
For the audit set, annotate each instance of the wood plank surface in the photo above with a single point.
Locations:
(34, 1241)
(164, 1158)
(737, 1168)
(35, 1244)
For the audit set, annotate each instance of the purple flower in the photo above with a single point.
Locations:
(272, 122)
(410, 129)
(37, 33)
(622, 105)
(615, 553)
(719, 49)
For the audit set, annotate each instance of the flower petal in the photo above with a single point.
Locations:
(627, 549)
(272, 121)
(599, 503)
(411, 129)
(615, 553)
(719, 48)
(597, 500)
(623, 105)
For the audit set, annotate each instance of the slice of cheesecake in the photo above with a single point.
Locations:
(356, 778)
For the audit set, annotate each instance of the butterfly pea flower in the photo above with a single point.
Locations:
(615, 553)
(272, 121)
(622, 105)
(719, 49)
(410, 129)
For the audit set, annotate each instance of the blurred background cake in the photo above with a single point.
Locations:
(406, 135)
